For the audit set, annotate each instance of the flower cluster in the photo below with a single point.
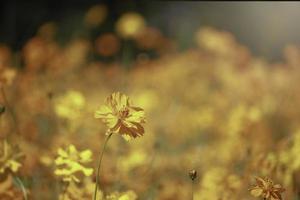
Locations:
(70, 162)
(9, 157)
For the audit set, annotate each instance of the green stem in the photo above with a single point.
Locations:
(193, 190)
(22, 187)
(99, 164)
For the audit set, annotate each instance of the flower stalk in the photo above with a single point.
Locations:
(21, 185)
(99, 164)
(193, 176)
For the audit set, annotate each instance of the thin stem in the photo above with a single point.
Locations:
(9, 109)
(22, 187)
(99, 164)
(192, 190)
(65, 191)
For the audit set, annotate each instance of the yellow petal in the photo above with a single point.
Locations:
(86, 156)
(256, 191)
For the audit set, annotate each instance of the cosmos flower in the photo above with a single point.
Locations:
(70, 163)
(120, 117)
(266, 189)
(9, 157)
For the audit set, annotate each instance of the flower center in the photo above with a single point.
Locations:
(123, 113)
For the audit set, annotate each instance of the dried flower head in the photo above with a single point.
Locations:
(9, 157)
(266, 189)
(193, 174)
(70, 163)
(120, 117)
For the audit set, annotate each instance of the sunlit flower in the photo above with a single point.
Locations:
(69, 105)
(7, 76)
(130, 25)
(265, 188)
(70, 163)
(9, 157)
(120, 117)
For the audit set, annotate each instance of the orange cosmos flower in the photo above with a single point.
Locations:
(266, 189)
(120, 117)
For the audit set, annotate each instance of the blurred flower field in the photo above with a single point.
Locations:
(213, 108)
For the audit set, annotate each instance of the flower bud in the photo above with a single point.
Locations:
(193, 174)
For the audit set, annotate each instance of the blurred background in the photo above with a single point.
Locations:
(265, 27)
(219, 83)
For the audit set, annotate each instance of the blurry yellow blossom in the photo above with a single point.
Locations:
(70, 162)
(236, 119)
(7, 76)
(9, 157)
(134, 159)
(129, 195)
(254, 114)
(130, 25)
(290, 157)
(211, 184)
(215, 41)
(95, 15)
(120, 117)
(265, 188)
(70, 105)
(80, 192)
(234, 182)
(147, 99)
(46, 160)
(75, 53)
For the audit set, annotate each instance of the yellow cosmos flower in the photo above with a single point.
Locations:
(9, 157)
(130, 25)
(120, 117)
(70, 163)
(266, 189)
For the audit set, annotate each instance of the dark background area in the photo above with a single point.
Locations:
(264, 27)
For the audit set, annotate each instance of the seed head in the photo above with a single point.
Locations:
(193, 174)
